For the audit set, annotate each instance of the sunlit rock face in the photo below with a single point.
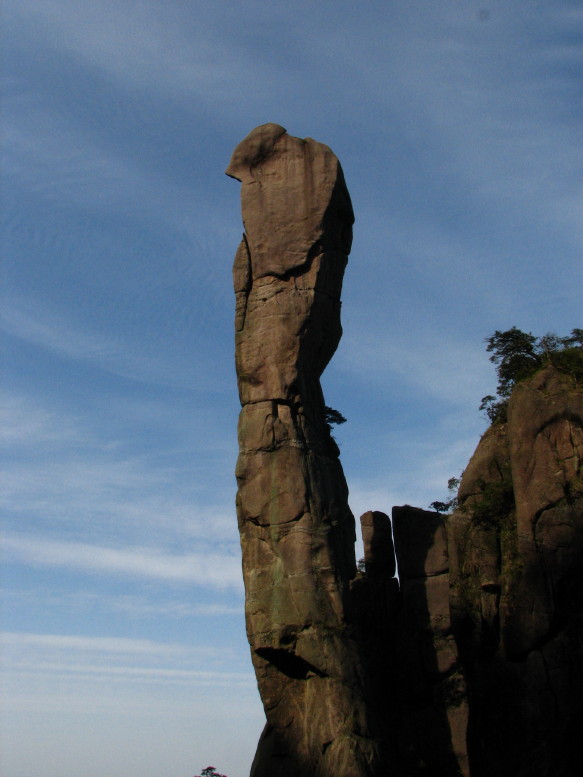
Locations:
(297, 531)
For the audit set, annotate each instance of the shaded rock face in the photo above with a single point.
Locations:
(431, 690)
(419, 695)
(516, 575)
(297, 531)
(486, 632)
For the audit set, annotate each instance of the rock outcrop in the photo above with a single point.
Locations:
(431, 693)
(516, 576)
(471, 663)
(297, 531)
(486, 634)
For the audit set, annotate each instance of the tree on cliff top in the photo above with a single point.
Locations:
(210, 772)
(451, 504)
(515, 353)
(518, 355)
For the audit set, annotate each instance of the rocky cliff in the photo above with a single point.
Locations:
(471, 662)
(516, 584)
(297, 531)
(479, 651)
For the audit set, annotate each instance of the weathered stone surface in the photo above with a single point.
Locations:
(516, 556)
(507, 635)
(377, 538)
(421, 542)
(471, 663)
(431, 687)
(288, 187)
(297, 531)
(545, 421)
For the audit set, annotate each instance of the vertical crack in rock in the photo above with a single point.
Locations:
(297, 531)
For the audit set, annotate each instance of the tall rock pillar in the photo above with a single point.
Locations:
(297, 531)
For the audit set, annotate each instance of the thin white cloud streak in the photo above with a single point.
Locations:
(33, 650)
(31, 419)
(115, 497)
(130, 673)
(63, 164)
(136, 607)
(52, 159)
(70, 668)
(135, 700)
(210, 569)
(24, 423)
(70, 642)
(57, 335)
(77, 471)
(57, 656)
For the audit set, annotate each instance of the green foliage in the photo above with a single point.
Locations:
(496, 410)
(518, 355)
(576, 339)
(210, 772)
(454, 483)
(360, 565)
(494, 502)
(569, 360)
(333, 416)
(514, 351)
(452, 503)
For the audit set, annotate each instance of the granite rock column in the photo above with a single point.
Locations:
(296, 529)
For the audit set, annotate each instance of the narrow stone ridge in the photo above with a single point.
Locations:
(297, 531)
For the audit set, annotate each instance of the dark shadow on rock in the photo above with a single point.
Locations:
(418, 689)
(430, 683)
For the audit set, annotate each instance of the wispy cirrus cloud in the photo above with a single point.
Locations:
(74, 655)
(72, 642)
(145, 674)
(209, 569)
(89, 477)
(136, 607)
(111, 495)
(26, 423)
(119, 355)
(55, 334)
(74, 669)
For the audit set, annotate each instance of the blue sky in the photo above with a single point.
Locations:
(458, 125)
